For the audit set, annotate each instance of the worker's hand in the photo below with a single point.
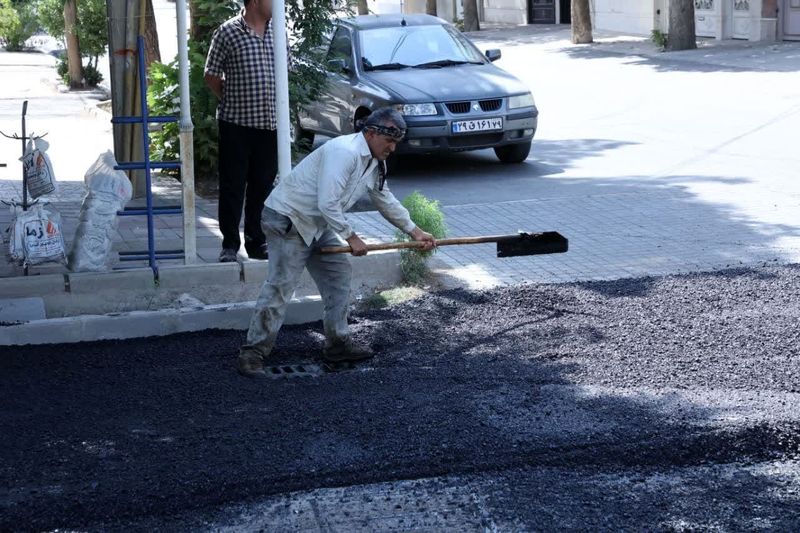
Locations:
(357, 245)
(419, 235)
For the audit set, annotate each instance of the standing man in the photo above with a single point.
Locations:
(240, 71)
(304, 213)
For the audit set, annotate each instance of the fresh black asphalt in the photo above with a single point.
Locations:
(653, 403)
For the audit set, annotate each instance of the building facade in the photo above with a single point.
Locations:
(753, 20)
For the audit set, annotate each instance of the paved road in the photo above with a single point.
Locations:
(634, 404)
(649, 403)
(651, 163)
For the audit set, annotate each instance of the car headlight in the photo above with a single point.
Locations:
(521, 100)
(417, 110)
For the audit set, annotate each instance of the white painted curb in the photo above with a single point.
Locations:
(150, 323)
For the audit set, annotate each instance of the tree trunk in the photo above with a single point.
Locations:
(363, 9)
(152, 53)
(430, 7)
(681, 35)
(75, 67)
(581, 19)
(471, 22)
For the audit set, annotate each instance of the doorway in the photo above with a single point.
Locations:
(791, 20)
(541, 11)
(565, 11)
(741, 19)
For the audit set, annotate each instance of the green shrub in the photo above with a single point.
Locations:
(62, 69)
(163, 98)
(18, 23)
(428, 216)
(91, 75)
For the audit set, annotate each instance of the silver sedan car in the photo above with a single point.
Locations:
(451, 95)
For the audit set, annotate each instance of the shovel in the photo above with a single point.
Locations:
(522, 243)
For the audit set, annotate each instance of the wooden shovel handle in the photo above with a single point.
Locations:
(420, 244)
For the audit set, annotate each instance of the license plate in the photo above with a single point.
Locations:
(481, 124)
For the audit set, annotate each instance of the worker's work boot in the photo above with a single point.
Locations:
(340, 351)
(251, 363)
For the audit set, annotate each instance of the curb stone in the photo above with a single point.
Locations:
(137, 324)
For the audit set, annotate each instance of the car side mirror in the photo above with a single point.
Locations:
(338, 66)
(493, 54)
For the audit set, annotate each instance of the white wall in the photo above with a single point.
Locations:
(628, 16)
(507, 11)
(444, 8)
(391, 6)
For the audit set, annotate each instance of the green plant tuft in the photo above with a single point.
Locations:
(428, 216)
(659, 38)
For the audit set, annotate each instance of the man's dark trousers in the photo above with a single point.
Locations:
(248, 163)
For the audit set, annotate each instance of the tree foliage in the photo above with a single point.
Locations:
(91, 26)
(9, 20)
(91, 31)
(17, 24)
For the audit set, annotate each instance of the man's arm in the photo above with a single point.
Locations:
(335, 169)
(215, 84)
(215, 64)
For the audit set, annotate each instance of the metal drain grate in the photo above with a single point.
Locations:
(300, 370)
(294, 371)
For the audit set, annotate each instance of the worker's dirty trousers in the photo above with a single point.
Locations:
(288, 256)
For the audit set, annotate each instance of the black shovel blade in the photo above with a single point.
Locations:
(548, 242)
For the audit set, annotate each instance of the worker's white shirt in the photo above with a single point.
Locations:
(325, 184)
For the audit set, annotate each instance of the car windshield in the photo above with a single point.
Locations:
(431, 46)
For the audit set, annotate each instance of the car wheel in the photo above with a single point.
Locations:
(513, 153)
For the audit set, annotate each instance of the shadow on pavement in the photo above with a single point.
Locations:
(775, 57)
(547, 158)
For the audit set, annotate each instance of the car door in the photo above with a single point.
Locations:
(337, 97)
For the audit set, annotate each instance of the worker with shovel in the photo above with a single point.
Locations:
(304, 213)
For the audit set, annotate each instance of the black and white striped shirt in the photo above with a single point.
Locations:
(247, 63)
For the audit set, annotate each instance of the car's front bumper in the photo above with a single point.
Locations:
(434, 134)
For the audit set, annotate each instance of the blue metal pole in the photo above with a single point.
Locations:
(151, 246)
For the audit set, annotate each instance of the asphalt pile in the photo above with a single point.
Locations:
(535, 386)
